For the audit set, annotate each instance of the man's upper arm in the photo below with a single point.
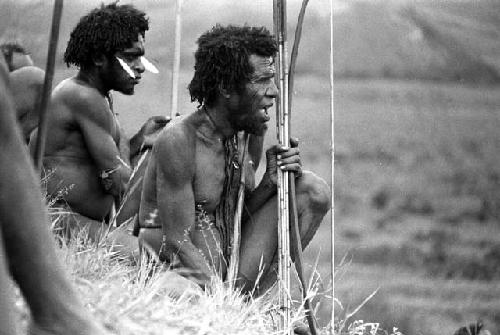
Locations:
(94, 119)
(27, 85)
(124, 146)
(174, 152)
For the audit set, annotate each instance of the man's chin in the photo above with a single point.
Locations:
(261, 131)
(127, 91)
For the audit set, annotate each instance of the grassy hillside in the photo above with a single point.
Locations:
(431, 40)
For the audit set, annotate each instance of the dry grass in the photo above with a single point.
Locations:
(148, 298)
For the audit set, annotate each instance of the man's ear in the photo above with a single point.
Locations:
(224, 92)
(99, 59)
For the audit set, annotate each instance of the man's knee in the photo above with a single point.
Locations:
(313, 202)
(316, 191)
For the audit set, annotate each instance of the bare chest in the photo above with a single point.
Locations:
(213, 175)
(210, 175)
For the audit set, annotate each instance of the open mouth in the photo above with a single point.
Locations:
(266, 113)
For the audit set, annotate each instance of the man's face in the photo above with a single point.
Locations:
(257, 96)
(122, 80)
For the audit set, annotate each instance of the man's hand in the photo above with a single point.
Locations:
(287, 159)
(151, 129)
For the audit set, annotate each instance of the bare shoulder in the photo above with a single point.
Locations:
(175, 148)
(27, 76)
(82, 101)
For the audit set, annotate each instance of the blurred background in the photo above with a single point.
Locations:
(417, 162)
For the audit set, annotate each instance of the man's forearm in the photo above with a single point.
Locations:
(135, 145)
(260, 195)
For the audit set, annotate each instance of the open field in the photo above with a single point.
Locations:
(416, 203)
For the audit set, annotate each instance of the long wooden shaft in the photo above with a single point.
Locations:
(177, 59)
(47, 85)
(284, 260)
(295, 51)
(332, 116)
(235, 247)
(296, 244)
(295, 241)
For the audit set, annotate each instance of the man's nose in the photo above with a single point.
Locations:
(138, 66)
(272, 90)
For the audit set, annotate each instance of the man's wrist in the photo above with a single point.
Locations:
(136, 144)
(267, 183)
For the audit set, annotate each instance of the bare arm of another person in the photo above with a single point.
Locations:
(26, 85)
(147, 135)
(175, 152)
(97, 124)
(29, 247)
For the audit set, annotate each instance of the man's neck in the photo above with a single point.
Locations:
(92, 79)
(218, 117)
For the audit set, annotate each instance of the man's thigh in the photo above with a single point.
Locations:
(259, 239)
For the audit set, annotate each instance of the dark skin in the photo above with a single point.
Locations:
(186, 170)
(86, 140)
(26, 84)
(26, 247)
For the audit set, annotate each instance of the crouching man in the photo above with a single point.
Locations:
(191, 182)
(87, 155)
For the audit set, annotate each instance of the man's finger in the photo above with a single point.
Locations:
(295, 167)
(295, 159)
(161, 120)
(288, 153)
(294, 142)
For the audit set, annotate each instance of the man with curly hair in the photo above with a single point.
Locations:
(26, 83)
(191, 182)
(87, 155)
(27, 251)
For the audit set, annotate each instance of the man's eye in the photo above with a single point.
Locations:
(130, 58)
(266, 80)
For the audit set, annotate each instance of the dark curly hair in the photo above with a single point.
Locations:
(105, 30)
(222, 59)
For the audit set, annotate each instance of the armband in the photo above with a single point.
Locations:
(145, 147)
(108, 172)
(105, 177)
